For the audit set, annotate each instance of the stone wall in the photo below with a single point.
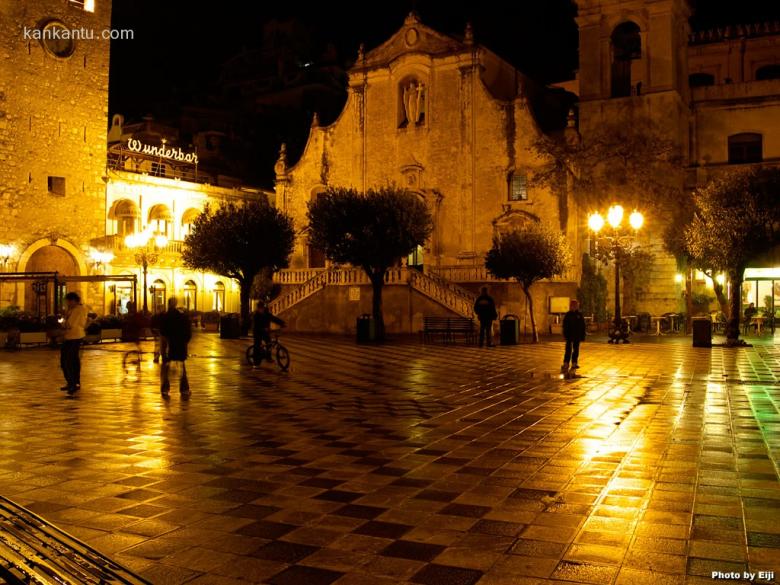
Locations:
(53, 120)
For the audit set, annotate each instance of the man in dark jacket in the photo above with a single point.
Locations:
(175, 333)
(261, 331)
(485, 310)
(574, 334)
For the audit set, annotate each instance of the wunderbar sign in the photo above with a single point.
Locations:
(163, 151)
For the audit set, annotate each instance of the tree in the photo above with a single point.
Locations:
(592, 293)
(240, 241)
(635, 162)
(528, 255)
(735, 220)
(372, 230)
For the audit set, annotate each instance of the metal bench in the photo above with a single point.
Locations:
(448, 328)
(34, 551)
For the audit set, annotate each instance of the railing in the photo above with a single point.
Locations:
(116, 242)
(434, 287)
(293, 276)
(119, 158)
(478, 274)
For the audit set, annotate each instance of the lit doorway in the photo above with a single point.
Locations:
(415, 259)
(158, 296)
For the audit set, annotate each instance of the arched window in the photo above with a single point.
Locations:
(160, 218)
(187, 219)
(746, 147)
(219, 297)
(626, 47)
(412, 106)
(127, 216)
(158, 296)
(768, 72)
(190, 295)
(701, 79)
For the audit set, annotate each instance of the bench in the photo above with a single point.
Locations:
(34, 551)
(448, 328)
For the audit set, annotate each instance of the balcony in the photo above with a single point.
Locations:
(116, 243)
(737, 92)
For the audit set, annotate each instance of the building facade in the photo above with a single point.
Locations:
(454, 124)
(53, 110)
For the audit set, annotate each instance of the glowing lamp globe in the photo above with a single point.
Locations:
(636, 220)
(596, 222)
(615, 215)
(678, 277)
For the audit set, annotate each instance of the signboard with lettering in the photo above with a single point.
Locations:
(162, 151)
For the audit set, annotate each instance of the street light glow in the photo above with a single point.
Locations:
(596, 222)
(636, 219)
(678, 277)
(720, 278)
(6, 251)
(615, 215)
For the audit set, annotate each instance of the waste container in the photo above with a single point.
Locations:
(366, 328)
(510, 330)
(702, 332)
(229, 326)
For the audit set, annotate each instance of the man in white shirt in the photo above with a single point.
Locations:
(74, 321)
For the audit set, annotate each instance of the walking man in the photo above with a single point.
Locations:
(485, 310)
(175, 333)
(574, 334)
(74, 321)
(261, 331)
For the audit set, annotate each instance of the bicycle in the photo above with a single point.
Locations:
(274, 350)
(133, 358)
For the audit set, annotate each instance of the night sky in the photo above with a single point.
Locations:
(179, 45)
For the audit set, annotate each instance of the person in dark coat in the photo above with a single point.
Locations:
(574, 334)
(175, 334)
(485, 310)
(261, 331)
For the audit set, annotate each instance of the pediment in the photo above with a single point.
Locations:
(412, 37)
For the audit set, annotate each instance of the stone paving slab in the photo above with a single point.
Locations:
(407, 463)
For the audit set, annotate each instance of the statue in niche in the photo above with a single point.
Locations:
(414, 102)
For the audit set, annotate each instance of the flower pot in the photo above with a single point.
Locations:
(33, 337)
(113, 334)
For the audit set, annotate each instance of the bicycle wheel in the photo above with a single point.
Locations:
(282, 357)
(250, 355)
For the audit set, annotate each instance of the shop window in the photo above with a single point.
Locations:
(746, 147)
(518, 187)
(56, 186)
(626, 47)
(158, 296)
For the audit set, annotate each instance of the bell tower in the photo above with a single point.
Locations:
(633, 61)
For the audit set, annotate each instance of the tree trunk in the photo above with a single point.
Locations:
(732, 325)
(534, 332)
(723, 300)
(377, 283)
(246, 292)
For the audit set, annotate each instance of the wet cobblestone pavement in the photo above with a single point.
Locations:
(435, 465)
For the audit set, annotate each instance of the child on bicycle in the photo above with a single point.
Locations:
(261, 330)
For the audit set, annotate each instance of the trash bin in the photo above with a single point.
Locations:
(366, 328)
(229, 326)
(702, 332)
(510, 330)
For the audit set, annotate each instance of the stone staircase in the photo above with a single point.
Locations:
(306, 283)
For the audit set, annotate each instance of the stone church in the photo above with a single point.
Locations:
(451, 121)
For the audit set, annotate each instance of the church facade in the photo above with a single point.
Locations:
(451, 122)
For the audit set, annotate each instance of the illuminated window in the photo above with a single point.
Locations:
(127, 217)
(158, 296)
(190, 295)
(219, 297)
(746, 147)
(518, 187)
(85, 5)
(160, 220)
(187, 220)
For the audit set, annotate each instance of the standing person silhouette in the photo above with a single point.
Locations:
(175, 334)
(574, 333)
(74, 321)
(485, 310)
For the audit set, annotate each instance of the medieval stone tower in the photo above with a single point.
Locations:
(54, 58)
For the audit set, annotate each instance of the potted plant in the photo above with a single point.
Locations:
(9, 326)
(110, 327)
(32, 330)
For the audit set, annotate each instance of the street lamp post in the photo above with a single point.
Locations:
(147, 248)
(620, 241)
